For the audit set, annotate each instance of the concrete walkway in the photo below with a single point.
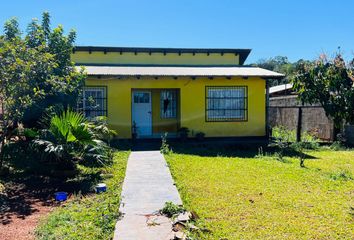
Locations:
(147, 186)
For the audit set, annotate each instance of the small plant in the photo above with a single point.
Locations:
(284, 133)
(337, 146)
(260, 153)
(200, 136)
(165, 147)
(170, 209)
(310, 141)
(183, 133)
(282, 138)
(343, 174)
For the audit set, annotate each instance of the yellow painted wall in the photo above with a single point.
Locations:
(84, 57)
(192, 104)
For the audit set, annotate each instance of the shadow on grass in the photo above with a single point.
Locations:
(215, 148)
(31, 184)
(231, 150)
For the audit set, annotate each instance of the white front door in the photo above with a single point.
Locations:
(142, 115)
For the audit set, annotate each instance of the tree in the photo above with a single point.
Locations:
(330, 83)
(36, 74)
(279, 64)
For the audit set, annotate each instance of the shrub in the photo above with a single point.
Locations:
(343, 174)
(100, 129)
(183, 133)
(200, 136)
(70, 137)
(310, 141)
(286, 139)
(282, 138)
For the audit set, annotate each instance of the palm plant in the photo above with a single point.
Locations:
(69, 137)
(101, 130)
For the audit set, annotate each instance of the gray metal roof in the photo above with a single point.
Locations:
(241, 71)
(280, 88)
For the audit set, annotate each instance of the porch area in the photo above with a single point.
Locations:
(155, 112)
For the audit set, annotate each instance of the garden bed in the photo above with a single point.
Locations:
(91, 216)
(27, 194)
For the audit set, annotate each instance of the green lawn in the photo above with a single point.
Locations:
(243, 197)
(92, 216)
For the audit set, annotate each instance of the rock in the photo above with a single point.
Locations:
(180, 236)
(183, 217)
(178, 226)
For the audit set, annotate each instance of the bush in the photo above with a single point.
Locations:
(282, 138)
(289, 136)
(343, 174)
(99, 127)
(286, 140)
(183, 133)
(337, 146)
(69, 138)
(310, 141)
(200, 136)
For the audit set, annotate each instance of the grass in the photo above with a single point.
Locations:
(240, 196)
(92, 216)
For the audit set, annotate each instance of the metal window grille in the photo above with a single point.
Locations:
(168, 104)
(226, 104)
(94, 102)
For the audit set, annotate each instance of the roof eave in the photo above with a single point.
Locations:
(243, 53)
(266, 77)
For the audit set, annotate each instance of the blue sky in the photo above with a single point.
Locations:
(297, 29)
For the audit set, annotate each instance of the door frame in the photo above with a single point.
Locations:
(133, 90)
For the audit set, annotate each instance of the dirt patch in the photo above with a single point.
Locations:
(27, 191)
(23, 203)
(21, 226)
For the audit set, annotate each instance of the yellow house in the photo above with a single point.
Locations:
(145, 92)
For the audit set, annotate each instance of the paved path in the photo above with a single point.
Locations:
(147, 186)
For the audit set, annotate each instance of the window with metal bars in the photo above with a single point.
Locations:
(94, 102)
(168, 104)
(226, 104)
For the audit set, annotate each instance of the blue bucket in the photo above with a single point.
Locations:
(61, 196)
(101, 187)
